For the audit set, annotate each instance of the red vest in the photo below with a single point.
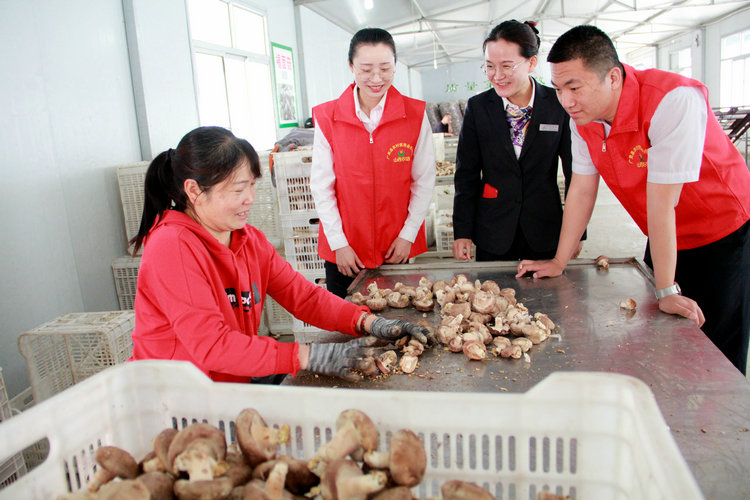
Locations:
(373, 173)
(710, 208)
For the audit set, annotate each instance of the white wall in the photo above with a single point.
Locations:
(324, 48)
(435, 81)
(66, 119)
(160, 60)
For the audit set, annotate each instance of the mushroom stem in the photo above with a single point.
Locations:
(276, 479)
(377, 459)
(372, 482)
(343, 442)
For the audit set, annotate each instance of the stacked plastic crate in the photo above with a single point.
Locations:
(263, 215)
(74, 346)
(14, 467)
(299, 223)
(442, 215)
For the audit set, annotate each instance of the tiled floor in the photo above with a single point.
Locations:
(612, 231)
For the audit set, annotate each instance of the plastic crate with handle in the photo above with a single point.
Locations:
(125, 272)
(587, 435)
(130, 178)
(12, 467)
(292, 173)
(74, 346)
(301, 242)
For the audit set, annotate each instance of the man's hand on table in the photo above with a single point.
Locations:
(683, 306)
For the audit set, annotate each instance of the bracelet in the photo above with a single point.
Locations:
(665, 292)
(359, 325)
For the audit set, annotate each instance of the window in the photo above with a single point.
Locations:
(735, 70)
(680, 62)
(232, 70)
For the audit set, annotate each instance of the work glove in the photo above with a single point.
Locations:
(342, 359)
(393, 329)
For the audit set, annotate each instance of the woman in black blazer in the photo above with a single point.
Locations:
(507, 200)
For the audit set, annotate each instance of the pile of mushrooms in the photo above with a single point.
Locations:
(196, 463)
(399, 297)
(445, 168)
(480, 317)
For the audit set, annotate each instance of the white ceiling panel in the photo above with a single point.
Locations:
(449, 31)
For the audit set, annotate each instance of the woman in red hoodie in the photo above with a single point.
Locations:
(205, 273)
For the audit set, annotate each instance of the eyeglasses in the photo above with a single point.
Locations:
(368, 74)
(505, 69)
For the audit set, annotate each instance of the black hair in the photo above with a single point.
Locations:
(524, 34)
(370, 36)
(589, 44)
(207, 155)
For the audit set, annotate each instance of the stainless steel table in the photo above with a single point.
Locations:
(703, 397)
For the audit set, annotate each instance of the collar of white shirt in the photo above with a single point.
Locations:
(507, 103)
(376, 113)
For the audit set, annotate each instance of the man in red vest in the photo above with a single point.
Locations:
(652, 137)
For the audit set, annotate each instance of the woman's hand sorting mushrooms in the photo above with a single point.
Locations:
(393, 329)
(344, 359)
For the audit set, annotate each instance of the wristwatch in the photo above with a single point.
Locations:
(670, 290)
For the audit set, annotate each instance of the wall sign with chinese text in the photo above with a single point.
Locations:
(286, 93)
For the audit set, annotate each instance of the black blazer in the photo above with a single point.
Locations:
(526, 188)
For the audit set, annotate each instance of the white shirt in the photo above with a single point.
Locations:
(677, 134)
(507, 104)
(323, 179)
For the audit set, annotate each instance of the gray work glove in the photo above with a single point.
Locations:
(342, 359)
(392, 329)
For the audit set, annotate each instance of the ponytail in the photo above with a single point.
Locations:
(156, 197)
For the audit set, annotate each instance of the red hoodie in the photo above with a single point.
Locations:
(199, 301)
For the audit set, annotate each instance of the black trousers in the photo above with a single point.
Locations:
(336, 282)
(270, 379)
(717, 277)
(518, 250)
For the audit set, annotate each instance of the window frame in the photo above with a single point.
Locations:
(213, 49)
(742, 56)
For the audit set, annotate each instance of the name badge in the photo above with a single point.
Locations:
(549, 127)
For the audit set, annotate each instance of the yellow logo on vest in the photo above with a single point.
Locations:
(638, 157)
(399, 152)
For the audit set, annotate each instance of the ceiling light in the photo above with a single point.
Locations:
(368, 4)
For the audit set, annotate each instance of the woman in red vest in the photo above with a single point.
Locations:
(373, 167)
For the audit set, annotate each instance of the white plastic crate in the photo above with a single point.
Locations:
(130, 179)
(36, 453)
(74, 346)
(301, 242)
(125, 272)
(561, 188)
(442, 219)
(438, 142)
(13, 467)
(450, 146)
(587, 435)
(264, 214)
(278, 320)
(300, 329)
(292, 173)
